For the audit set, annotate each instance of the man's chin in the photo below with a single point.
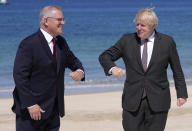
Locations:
(60, 32)
(140, 36)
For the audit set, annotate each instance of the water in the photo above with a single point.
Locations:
(91, 27)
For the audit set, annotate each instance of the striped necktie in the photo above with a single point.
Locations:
(144, 55)
(144, 63)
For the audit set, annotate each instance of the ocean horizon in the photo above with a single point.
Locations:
(91, 27)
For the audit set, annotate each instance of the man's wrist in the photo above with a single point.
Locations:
(110, 71)
(30, 107)
(80, 70)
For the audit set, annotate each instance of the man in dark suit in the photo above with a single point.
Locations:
(146, 54)
(38, 73)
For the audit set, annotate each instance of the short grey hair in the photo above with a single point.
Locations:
(47, 12)
(147, 15)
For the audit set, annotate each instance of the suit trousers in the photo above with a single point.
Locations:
(144, 119)
(50, 124)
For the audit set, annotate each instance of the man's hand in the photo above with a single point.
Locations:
(76, 75)
(117, 72)
(181, 101)
(35, 112)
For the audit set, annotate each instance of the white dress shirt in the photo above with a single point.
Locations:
(150, 44)
(49, 39)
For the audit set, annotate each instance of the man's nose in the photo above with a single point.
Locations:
(62, 22)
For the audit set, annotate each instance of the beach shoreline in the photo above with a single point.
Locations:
(101, 112)
(86, 87)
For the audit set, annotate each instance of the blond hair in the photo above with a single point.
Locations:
(147, 15)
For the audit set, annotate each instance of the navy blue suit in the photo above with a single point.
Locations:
(38, 78)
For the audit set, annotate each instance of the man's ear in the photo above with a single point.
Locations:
(45, 22)
(154, 26)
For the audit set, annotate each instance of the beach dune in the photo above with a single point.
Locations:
(101, 112)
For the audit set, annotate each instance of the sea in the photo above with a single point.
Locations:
(91, 27)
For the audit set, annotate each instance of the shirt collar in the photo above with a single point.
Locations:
(47, 36)
(152, 37)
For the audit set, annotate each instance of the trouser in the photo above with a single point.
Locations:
(144, 119)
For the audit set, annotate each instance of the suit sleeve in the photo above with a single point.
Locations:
(22, 73)
(73, 62)
(108, 57)
(178, 75)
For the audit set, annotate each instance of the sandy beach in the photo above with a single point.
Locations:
(101, 112)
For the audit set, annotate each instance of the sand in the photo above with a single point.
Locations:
(101, 112)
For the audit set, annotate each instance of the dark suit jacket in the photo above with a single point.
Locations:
(37, 76)
(154, 80)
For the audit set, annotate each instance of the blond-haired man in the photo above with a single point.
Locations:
(146, 54)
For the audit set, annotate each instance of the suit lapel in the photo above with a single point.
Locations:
(46, 47)
(155, 50)
(58, 50)
(138, 52)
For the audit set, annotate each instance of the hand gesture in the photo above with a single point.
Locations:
(76, 75)
(118, 72)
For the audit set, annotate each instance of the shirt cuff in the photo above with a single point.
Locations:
(80, 70)
(30, 107)
(110, 71)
